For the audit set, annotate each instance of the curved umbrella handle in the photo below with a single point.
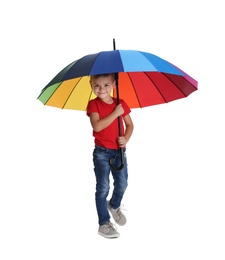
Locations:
(122, 162)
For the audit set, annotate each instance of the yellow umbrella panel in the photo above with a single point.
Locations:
(69, 94)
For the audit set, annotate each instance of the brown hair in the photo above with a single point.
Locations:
(102, 75)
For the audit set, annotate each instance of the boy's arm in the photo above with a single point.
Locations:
(129, 127)
(122, 140)
(100, 124)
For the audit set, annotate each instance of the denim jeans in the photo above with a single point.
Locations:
(102, 169)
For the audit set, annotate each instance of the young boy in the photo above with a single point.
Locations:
(104, 112)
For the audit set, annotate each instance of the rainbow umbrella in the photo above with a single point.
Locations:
(142, 79)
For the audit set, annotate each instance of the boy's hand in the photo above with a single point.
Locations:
(119, 110)
(122, 141)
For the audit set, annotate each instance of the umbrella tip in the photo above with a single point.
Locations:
(114, 44)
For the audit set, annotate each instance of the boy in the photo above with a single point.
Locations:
(104, 112)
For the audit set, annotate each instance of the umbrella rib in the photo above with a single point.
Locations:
(165, 75)
(70, 94)
(134, 89)
(174, 84)
(51, 94)
(177, 85)
(89, 98)
(157, 87)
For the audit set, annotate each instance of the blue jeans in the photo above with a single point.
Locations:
(102, 169)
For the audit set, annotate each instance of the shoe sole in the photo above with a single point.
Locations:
(106, 236)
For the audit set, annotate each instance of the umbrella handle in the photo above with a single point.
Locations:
(121, 150)
(122, 162)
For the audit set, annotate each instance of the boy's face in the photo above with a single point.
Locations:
(102, 86)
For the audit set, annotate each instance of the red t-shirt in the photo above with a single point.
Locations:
(107, 137)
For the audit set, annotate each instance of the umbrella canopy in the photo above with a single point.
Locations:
(144, 80)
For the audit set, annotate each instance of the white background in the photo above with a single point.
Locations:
(175, 197)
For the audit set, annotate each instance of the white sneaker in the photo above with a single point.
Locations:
(117, 215)
(108, 230)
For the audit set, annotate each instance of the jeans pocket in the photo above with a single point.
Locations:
(99, 153)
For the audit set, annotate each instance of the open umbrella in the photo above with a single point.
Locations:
(142, 79)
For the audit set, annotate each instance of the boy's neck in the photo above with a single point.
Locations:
(108, 100)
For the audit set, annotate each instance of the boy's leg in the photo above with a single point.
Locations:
(102, 170)
(120, 183)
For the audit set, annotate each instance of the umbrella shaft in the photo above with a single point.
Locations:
(119, 126)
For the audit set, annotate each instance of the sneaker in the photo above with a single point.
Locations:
(108, 230)
(117, 215)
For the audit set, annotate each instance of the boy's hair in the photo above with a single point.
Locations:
(102, 75)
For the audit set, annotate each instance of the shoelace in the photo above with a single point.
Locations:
(111, 225)
(119, 210)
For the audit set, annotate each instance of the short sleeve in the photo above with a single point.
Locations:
(92, 107)
(125, 107)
